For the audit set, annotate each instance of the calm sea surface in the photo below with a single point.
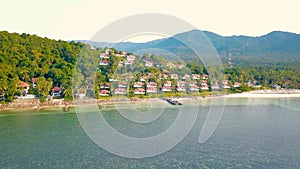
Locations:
(253, 133)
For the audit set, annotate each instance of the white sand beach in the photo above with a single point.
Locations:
(263, 95)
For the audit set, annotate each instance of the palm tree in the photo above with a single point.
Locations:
(68, 93)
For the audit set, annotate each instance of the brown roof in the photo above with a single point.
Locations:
(34, 80)
(23, 84)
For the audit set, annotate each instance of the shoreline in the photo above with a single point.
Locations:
(34, 104)
(262, 94)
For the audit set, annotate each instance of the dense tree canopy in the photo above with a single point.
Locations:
(52, 62)
(23, 57)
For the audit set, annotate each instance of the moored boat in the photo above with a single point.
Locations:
(173, 101)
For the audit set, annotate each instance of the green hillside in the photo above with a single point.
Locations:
(33, 65)
(23, 57)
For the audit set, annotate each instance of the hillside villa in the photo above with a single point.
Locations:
(56, 92)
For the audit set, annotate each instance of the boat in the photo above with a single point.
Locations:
(173, 101)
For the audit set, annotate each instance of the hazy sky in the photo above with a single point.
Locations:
(81, 19)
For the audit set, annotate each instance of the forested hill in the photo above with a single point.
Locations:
(23, 57)
(28, 56)
(273, 45)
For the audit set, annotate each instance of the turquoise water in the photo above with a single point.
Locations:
(253, 133)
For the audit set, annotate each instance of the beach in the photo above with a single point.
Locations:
(60, 103)
(267, 94)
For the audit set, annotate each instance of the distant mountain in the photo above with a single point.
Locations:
(275, 44)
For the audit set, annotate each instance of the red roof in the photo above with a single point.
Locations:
(104, 92)
(152, 83)
(138, 83)
(57, 89)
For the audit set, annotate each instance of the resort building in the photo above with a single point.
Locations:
(163, 76)
(128, 62)
(192, 84)
(167, 89)
(104, 92)
(181, 86)
(120, 91)
(143, 78)
(34, 82)
(139, 91)
(104, 56)
(148, 64)
(249, 84)
(104, 86)
(88, 86)
(113, 80)
(194, 88)
(24, 87)
(138, 84)
(236, 84)
(174, 76)
(81, 93)
(204, 76)
(120, 55)
(151, 84)
(122, 84)
(186, 76)
(225, 84)
(131, 58)
(104, 63)
(215, 87)
(204, 85)
(168, 84)
(180, 66)
(195, 76)
(56, 92)
(181, 83)
(171, 65)
(181, 89)
(151, 87)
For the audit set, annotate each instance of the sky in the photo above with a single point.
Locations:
(81, 19)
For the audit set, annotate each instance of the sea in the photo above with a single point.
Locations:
(250, 133)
